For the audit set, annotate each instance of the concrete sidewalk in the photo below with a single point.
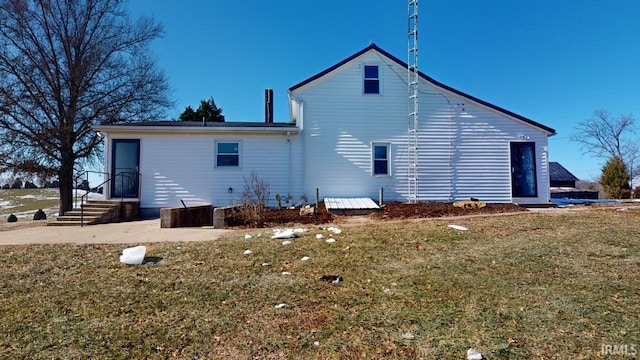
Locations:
(134, 232)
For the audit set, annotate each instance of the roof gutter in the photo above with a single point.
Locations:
(193, 129)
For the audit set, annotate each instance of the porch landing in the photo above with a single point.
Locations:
(350, 206)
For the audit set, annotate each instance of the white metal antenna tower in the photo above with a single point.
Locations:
(412, 82)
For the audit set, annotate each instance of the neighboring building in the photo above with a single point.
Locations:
(561, 177)
(348, 137)
(563, 184)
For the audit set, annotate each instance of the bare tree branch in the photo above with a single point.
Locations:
(66, 65)
(606, 137)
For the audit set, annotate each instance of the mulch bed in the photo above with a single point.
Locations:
(391, 211)
(394, 210)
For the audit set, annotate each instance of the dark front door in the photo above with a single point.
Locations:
(523, 169)
(125, 168)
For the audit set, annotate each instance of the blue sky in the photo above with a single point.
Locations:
(555, 62)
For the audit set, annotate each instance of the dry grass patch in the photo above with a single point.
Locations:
(528, 286)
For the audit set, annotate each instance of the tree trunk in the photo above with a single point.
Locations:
(65, 176)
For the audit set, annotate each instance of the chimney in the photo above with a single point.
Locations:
(268, 106)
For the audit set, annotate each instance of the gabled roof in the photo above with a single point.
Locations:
(557, 172)
(427, 78)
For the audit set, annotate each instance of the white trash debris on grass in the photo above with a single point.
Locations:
(286, 242)
(408, 336)
(319, 236)
(280, 306)
(473, 354)
(305, 258)
(133, 255)
(331, 240)
(265, 264)
(316, 343)
(247, 252)
(458, 227)
(334, 230)
(299, 230)
(286, 273)
(284, 234)
(247, 236)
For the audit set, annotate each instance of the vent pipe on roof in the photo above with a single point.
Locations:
(268, 106)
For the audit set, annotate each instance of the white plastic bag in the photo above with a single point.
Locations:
(133, 255)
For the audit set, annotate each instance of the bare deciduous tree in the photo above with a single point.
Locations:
(606, 137)
(66, 65)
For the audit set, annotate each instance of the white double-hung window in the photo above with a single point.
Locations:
(380, 154)
(371, 76)
(227, 154)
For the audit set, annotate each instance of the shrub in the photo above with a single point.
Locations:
(254, 199)
(615, 179)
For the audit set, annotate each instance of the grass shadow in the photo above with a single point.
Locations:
(151, 260)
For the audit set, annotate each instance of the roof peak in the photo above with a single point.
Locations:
(429, 79)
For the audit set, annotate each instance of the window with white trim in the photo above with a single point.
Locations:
(228, 154)
(371, 79)
(380, 159)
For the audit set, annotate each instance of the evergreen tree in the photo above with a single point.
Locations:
(188, 114)
(615, 179)
(207, 111)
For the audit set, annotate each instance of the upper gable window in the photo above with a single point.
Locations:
(371, 79)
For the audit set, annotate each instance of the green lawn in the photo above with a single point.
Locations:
(530, 286)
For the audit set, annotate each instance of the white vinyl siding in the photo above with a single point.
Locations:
(181, 166)
(463, 146)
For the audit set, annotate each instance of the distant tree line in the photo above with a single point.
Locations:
(19, 184)
(50, 184)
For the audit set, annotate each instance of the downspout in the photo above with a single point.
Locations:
(452, 148)
(303, 142)
(295, 116)
(106, 191)
(291, 119)
(289, 196)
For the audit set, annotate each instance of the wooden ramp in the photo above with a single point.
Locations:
(350, 206)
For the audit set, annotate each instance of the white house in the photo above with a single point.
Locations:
(348, 137)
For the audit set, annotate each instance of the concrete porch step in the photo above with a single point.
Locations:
(97, 212)
(92, 212)
(56, 222)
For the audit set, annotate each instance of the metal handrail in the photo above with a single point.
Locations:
(121, 174)
(86, 175)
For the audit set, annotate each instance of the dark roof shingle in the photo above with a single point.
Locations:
(557, 172)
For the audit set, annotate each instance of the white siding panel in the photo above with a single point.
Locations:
(463, 147)
(181, 166)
